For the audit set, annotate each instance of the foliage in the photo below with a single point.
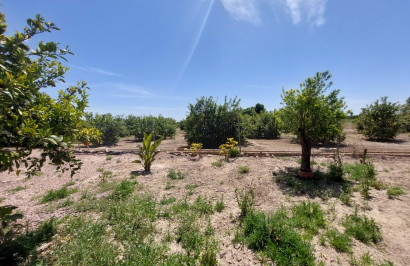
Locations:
(394, 192)
(227, 147)
(362, 228)
(309, 216)
(210, 123)
(246, 201)
(123, 190)
(8, 227)
(263, 125)
(275, 236)
(220, 205)
(234, 152)
(61, 193)
(176, 175)
(148, 152)
(111, 127)
(195, 148)
(312, 115)
(160, 126)
(30, 118)
(341, 242)
(380, 121)
(405, 116)
(365, 173)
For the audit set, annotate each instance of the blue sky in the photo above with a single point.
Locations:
(156, 57)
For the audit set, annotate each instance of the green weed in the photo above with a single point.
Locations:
(244, 169)
(362, 228)
(309, 216)
(17, 189)
(53, 195)
(218, 163)
(220, 205)
(167, 201)
(340, 242)
(123, 190)
(394, 192)
(176, 175)
(245, 200)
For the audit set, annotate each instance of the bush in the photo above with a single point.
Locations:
(262, 125)
(380, 121)
(362, 228)
(111, 127)
(210, 123)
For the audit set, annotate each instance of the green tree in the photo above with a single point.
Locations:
(312, 115)
(29, 118)
(380, 121)
(211, 123)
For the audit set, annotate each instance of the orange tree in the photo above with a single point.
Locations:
(29, 118)
(312, 115)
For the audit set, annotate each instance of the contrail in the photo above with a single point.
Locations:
(191, 53)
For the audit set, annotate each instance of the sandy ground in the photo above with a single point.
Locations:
(215, 182)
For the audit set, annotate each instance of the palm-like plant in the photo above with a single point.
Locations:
(148, 152)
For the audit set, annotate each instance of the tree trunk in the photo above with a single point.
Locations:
(306, 152)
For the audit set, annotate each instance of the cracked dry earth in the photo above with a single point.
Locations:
(393, 215)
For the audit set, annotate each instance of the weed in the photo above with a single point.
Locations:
(308, 215)
(394, 192)
(234, 153)
(245, 200)
(104, 174)
(203, 206)
(244, 169)
(17, 189)
(123, 190)
(2, 199)
(362, 228)
(176, 175)
(365, 260)
(168, 185)
(218, 163)
(340, 242)
(61, 193)
(65, 203)
(191, 186)
(69, 184)
(220, 205)
(346, 196)
(167, 201)
(133, 176)
(118, 161)
(108, 158)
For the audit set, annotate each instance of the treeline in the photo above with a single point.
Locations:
(211, 123)
(113, 128)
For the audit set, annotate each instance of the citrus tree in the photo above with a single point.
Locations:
(380, 120)
(29, 118)
(311, 114)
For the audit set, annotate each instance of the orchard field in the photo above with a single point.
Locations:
(189, 209)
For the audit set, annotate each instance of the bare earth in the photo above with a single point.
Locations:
(214, 182)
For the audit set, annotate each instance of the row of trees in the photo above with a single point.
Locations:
(115, 127)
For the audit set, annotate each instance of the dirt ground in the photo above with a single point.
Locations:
(393, 215)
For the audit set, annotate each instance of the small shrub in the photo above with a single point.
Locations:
(220, 205)
(176, 175)
(362, 228)
(195, 148)
(208, 256)
(394, 192)
(346, 196)
(227, 147)
(245, 200)
(336, 172)
(340, 242)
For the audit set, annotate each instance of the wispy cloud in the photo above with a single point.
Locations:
(246, 10)
(309, 11)
(300, 11)
(124, 90)
(97, 70)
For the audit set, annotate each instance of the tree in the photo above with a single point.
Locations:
(380, 121)
(210, 123)
(311, 115)
(29, 118)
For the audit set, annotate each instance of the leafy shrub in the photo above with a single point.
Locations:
(210, 123)
(362, 228)
(379, 121)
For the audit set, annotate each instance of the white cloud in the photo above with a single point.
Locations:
(124, 90)
(309, 11)
(243, 10)
(300, 11)
(97, 70)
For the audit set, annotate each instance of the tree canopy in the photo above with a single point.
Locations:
(29, 118)
(311, 114)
